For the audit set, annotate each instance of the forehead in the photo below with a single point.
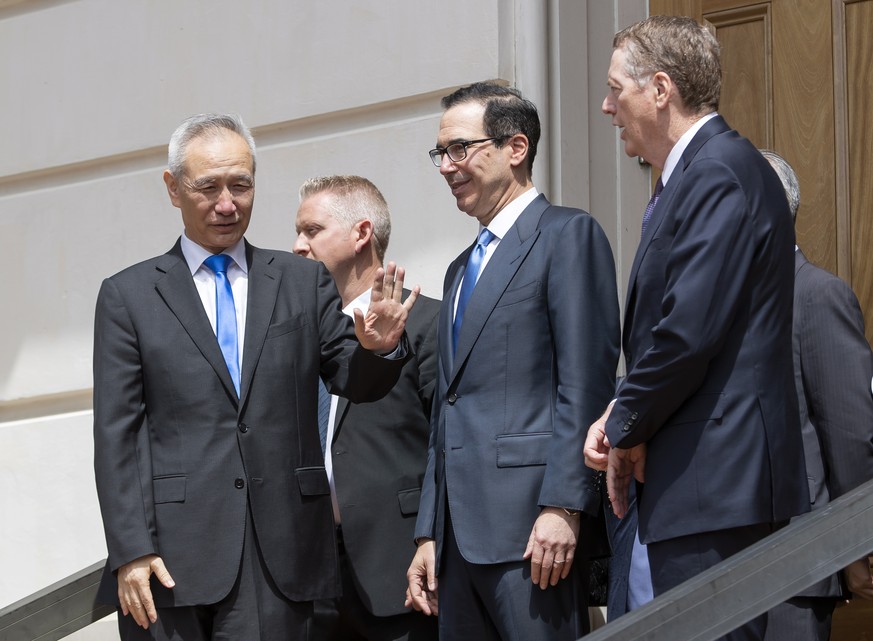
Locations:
(617, 68)
(316, 208)
(215, 151)
(462, 122)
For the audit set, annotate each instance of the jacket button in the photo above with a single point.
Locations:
(243, 428)
(239, 484)
(452, 398)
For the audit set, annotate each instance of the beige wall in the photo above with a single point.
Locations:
(92, 91)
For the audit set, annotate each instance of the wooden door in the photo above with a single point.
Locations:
(798, 79)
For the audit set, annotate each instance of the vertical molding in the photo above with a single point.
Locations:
(532, 74)
(841, 142)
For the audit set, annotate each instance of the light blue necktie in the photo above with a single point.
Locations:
(471, 275)
(323, 413)
(225, 315)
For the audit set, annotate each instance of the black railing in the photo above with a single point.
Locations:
(702, 609)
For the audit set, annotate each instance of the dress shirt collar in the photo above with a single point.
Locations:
(362, 302)
(506, 217)
(195, 254)
(679, 148)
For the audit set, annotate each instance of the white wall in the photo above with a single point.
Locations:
(93, 90)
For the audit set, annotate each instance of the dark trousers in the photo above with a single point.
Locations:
(254, 610)
(801, 619)
(674, 561)
(499, 602)
(348, 619)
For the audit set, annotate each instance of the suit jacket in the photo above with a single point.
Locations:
(379, 452)
(707, 341)
(179, 458)
(534, 367)
(833, 366)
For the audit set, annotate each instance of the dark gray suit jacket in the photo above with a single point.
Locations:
(379, 453)
(179, 458)
(833, 367)
(534, 367)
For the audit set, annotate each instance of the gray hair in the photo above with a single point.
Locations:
(680, 47)
(788, 177)
(200, 126)
(354, 199)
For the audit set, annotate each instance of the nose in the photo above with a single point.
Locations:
(225, 204)
(301, 247)
(607, 107)
(447, 165)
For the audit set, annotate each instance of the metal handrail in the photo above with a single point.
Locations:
(760, 577)
(704, 608)
(57, 610)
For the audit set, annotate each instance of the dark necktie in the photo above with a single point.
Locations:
(659, 186)
(323, 414)
(225, 315)
(471, 274)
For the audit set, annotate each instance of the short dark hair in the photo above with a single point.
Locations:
(507, 113)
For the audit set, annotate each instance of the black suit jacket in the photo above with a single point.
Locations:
(707, 341)
(379, 453)
(179, 458)
(833, 367)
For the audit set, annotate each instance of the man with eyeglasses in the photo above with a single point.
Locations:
(508, 510)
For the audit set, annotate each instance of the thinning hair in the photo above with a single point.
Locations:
(507, 113)
(680, 47)
(788, 177)
(353, 199)
(203, 126)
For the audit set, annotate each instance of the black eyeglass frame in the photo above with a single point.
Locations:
(436, 154)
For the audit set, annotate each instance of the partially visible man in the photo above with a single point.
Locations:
(832, 364)
(215, 502)
(527, 355)
(707, 413)
(376, 452)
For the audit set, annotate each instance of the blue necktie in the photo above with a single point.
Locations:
(471, 275)
(225, 315)
(323, 413)
(647, 215)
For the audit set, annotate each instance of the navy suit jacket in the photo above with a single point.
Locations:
(534, 367)
(379, 454)
(707, 342)
(179, 458)
(833, 367)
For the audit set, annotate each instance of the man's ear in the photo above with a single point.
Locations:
(520, 146)
(363, 233)
(172, 187)
(664, 89)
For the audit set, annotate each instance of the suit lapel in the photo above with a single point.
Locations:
(180, 294)
(264, 280)
(495, 278)
(715, 126)
(447, 310)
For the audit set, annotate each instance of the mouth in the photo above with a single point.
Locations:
(457, 186)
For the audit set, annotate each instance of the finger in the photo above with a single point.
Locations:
(378, 285)
(162, 573)
(399, 277)
(536, 564)
(568, 565)
(640, 470)
(388, 280)
(557, 571)
(410, 300)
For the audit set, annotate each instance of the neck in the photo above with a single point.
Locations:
(359, 280)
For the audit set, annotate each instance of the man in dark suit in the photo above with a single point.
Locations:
(524, 361)
(706, 415)
(210, 476)
(378, 451)
(833, 365)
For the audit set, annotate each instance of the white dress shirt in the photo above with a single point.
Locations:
(204, 280)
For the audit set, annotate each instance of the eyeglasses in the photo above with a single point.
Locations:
(457, 151)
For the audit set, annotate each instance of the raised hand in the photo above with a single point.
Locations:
(380, 329)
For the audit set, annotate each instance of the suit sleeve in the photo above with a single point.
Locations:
(426, 359)
(707, 270)
(836, 367)
(120, 439)
(584, 323)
